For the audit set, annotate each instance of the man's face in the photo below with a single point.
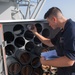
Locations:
(52, 22)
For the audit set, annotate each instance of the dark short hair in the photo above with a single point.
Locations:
(52, 11)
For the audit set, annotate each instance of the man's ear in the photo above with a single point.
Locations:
(54, 19)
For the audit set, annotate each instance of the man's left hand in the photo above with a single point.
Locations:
(43, 60)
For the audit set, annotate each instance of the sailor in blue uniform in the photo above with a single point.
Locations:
(64, 42)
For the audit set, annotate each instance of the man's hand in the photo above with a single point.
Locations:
(42, 60)
(33, 29)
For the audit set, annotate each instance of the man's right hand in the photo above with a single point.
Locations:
(33, 29)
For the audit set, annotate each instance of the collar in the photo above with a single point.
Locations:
(67, 24)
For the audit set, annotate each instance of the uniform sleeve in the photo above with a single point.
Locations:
(69, 44)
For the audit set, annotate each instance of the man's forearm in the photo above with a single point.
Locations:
(43, 39)
(59, 62)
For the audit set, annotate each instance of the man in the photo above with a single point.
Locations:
(64, 42)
